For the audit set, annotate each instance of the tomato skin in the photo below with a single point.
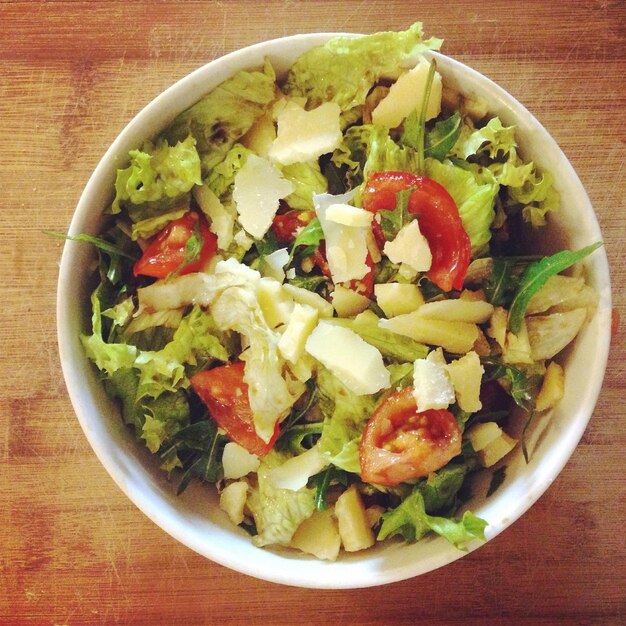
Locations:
(224, 392)
(401, 443)
(439, 221)
(166, 252)
(286, 225)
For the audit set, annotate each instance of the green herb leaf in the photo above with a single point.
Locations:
(521, 386)
(200, 445)
(502, 281)
(391, 221)
(323, 480)
(412, 130)
(496, 480)
(442, 138)
(311, 236)
(535, 278)
(98, 242)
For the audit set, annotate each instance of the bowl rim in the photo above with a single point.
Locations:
(129, 472)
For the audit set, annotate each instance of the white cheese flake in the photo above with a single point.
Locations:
(349, 215)
(432, 386)
(346, 246)
(356, 363)
(407, 94)
(410, 247)
(305, 135)
(258, 187)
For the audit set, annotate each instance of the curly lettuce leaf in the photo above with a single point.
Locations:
(492, 140)
(494, 146)
(474, 191)
(155, 420)
(369, 148)
(308, 180)
(345, 415)
(157, 177)
(225, 114)
(411, 521)
(345, 69)
(221, 178)
(277, 512)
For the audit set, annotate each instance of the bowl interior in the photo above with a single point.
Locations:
(195, 518)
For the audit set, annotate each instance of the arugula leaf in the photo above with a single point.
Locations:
(414, 127)
(496, 480)
(522, 386)
(422, 117)
(392, 220)
(535, 278)
(98, 242)
(442, 138)
(411, 130)
(201, 445)
(411, 521)
(193, 247)
(502, 281)
(311, 283)
(322, 482)
(311, 236)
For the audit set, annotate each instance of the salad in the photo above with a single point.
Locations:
(313, 293)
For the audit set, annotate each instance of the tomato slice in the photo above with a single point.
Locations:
(438, 217)
(286, 225)
(167, 252)
(401, 443)
(225, 394)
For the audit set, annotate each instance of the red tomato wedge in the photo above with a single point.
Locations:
(286, 225)
(225, 394)
(401, 443)
(167, 252)
(438, 217)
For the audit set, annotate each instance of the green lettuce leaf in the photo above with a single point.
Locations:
(155, 420)
(157, 178)
(369, 148)
(474, 190)
(345, 69)
(308, 180)
(411, 521)
(390, 344)
(194, 344)
(146, 228)
(345, 415)
(277, 512)
(222, 177)
(225, 114)
(493, 140)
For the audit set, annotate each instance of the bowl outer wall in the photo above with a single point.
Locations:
(194, 518)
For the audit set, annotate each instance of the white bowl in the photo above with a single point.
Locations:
(195, 518)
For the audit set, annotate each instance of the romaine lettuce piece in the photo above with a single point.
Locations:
(412, 522)
(158, 177)
(369, 148)
(277, 512)
(344, 70)
(345, 416)
(474, 190)
(494, 146)
(225, 114)
(307, 180)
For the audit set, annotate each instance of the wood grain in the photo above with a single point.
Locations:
(73, 549)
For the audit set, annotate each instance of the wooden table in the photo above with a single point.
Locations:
(73, 549)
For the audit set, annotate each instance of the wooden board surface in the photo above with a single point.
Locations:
(73, 549)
